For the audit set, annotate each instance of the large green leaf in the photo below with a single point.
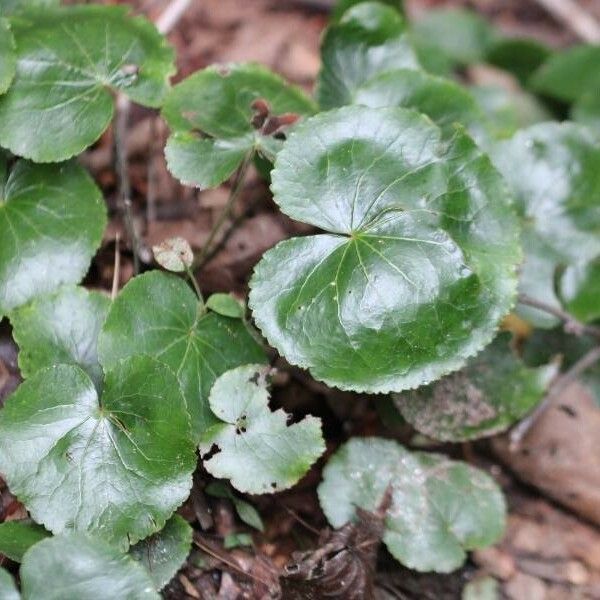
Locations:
(212, 115)
(257, 449)
(163, 553)
(116, 466)
(580, 290)
(370, 39)
(417, 265)
(439, 507)
(16, 537)
(52, 219)
(69, 62)
(8, 588)
(79, 567)
(553, 169)
(159, 315)
(569, 75)
(489, 394)
(8, 60)
(519, 56)
(60, 328)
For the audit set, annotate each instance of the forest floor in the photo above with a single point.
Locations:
(549, 551)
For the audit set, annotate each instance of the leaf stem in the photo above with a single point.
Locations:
(197, 289)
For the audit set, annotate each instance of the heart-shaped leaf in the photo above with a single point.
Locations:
(70, 60)
(257, 450)
(370, 39)
(52, 219)
(569, 75)
(158, 314)
(8, 59)
(116, 466)
(16, 537)
(553, 170)
(222, 114)
(60, 328)
(163, 553)
(580, 290)
(80, 567)
(489, 394)
(8, 588)
(439, 507)
(416, 267)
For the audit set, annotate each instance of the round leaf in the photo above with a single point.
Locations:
(440, 508)
(221, 102)
(159, 315)
(580, 290)
(8, 588)
(163, 553)
(489, 394)
(117, 467)
(417, 265)
(8, 60)
(69, 62)
(369, 39)
(174, 254)
(16, 537)
(257, 450)
(52, 219)
(79, 567)
(60, 328)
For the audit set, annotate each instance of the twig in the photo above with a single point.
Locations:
(556, 388)
(117, 269)
(571, 324)
(576, 18)
(171, 15)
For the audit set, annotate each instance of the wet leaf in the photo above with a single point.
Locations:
(489, 394)
(52, 219)
(159, 314)
(370, 39)
(220, 115)
(163, 553)
(174, 254)
(78, 566)
(257, 450)
(70, 61)
(440, 508)
(117, 466)
(16, 537)
(61, 328)
(8, 59)
(417, 262)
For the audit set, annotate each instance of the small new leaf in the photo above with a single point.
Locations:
(174, 254)
(246, 512)
(226, 305)
(256, 448)
(440, 508)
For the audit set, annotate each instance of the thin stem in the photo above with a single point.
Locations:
(117, 269)
(556, 388)
(192, 278)
(571, 324)
(234, 193)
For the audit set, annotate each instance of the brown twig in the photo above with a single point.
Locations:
(575, 17)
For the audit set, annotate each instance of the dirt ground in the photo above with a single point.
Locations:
(551, 549)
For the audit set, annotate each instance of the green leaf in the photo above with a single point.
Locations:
(61, 328)
(158, 314)
(8, 59)
(369, 40)
(70, 61)
(9, 7)
(237, 540)
(116, 466)
(8, 588)
(440, 507)
(246, 512)
(417, 263)
(570, 74)
(16, 537)
(174, 254)
(212, 114)
(341, 6)
(580, 290)
(257, 450)
(80, 567)
(52, 219)
(226, 305)
(587, 111)
(519, 56)
(163, 553)
(489, 394)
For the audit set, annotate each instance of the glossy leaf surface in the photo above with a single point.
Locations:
(440, 508)
(257, 449)
(80, 567)
(489, 394)
(16, 537)
(117, 466)
(52, 219)
(69, 62)
(222, 114)
(417, 262)
(159, 314)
